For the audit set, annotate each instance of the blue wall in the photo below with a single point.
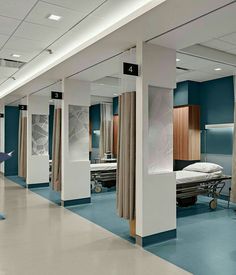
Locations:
(50, 133)
(216, 100)
(11, 139)
(181, 94)
(94, 114)
(115, 105)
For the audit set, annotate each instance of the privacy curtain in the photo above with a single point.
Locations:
(22, 144)
(233, 181)
(125, 181)
(106, 129)
(56, 151)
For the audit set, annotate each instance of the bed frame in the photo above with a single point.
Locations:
(102, 178)
(189, 191)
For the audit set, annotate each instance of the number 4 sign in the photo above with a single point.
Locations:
(130, 69)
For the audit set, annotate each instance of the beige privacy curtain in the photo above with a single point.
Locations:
(22, 145)
(233, 181)
(125, 181)
(56, 151)
(106, 129)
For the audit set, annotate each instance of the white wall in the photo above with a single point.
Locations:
(37, 165)
(75, 173)
(156, 192)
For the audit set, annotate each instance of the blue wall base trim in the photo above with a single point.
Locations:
(156, 238)
(38, 185)
(75, 202)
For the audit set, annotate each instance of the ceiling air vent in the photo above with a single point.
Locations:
(8, 63)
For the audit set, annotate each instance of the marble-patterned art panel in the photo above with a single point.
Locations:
(39, 134)
(78, 132)
(160, 130)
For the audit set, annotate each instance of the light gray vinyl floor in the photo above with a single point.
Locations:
(41, 238)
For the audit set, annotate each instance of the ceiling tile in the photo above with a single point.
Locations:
(232, 51)
(42, 10)
(3, 39)
(226, 69)
(229, 38)
(24, 56)
(16, 8)
(219, 44)
(6, 72)
(24, 45)
(8, 25)
(37, 32)
(191, 62)
(196, 76)
(79, 5)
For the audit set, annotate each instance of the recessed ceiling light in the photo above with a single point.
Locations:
(177, 59)
(54, 17)
(217, 69)
(15, 55)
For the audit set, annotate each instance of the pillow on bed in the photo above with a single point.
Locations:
(204, 167)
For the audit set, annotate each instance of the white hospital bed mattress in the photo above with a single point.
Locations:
(190, 176)
(103, 167)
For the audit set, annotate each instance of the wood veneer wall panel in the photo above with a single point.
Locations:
(194, 133)
(181, 137)
(186, 131)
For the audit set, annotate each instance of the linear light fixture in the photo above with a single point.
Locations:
(217, 69)
(177, 59)
(218, 126)
(54, 17)
(16, 55)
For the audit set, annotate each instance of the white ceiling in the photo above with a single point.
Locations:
(27, 31)
(191, 22)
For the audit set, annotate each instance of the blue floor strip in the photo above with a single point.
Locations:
(17, 180)
(206, 243)
(102, 211)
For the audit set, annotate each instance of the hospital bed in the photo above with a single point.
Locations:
(102, 174)
(190, 184)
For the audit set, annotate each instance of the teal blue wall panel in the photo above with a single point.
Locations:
(217, 107)
(219, 141)
(181, 94)
(11, 139)
(94, 114)
(115, 105)
(50, 133)
(194, 93)
(217, 101)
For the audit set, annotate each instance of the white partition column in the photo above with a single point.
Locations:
(155, 179)
(37, 141)
(75, 143)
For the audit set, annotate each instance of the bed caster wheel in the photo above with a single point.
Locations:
(213, 204)
(98, 189)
